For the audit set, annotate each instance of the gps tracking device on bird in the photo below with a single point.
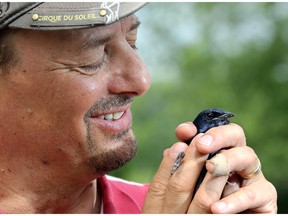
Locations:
(204, 121)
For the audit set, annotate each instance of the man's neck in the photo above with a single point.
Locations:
(27, 187)
(17, 197)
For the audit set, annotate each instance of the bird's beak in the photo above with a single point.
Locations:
(226, 116)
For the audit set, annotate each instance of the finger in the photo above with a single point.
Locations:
(208, 193)
(156, 193)
(241, 160)
(249, 198)
(225, 136)
(185, 131)
(181, 185)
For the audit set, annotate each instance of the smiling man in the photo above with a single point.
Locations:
(69, 74)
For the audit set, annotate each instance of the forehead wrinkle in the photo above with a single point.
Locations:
(92, 42)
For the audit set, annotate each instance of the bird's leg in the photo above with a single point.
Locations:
(177, 162)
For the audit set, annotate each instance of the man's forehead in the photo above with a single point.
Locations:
(64, 15)
(97, 36)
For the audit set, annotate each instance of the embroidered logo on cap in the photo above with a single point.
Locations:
(4, 6)
(113, 8)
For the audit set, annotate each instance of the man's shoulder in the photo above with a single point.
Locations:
(122, 196)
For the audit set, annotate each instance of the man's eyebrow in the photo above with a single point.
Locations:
(92, 42)
(135, 24)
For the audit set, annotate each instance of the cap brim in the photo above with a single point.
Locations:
(72, 15)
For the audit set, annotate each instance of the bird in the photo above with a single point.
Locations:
(204, 121)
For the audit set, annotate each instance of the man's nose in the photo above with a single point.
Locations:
(130, 74)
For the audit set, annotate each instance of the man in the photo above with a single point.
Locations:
(69, 74)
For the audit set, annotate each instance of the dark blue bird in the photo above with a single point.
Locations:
(204, 121)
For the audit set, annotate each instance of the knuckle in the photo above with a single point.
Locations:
(272, 207)
(249, 194)
(213, 195)
(157, 189)
(250, 150)
(248, 153)
(231, 131)
(178, 185)
(239, 131)
(205, 200)
(273, 201)
(252, 154)
(274, 191)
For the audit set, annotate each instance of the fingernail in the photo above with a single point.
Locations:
(205, 140)
(177, 148)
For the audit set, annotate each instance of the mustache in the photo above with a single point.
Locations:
(106, 104)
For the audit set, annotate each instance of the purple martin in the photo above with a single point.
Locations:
(204, 121)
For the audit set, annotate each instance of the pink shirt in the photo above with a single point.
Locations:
(122, 197)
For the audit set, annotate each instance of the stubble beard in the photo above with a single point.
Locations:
(104, 160)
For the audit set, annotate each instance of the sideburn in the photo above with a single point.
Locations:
(8, 53)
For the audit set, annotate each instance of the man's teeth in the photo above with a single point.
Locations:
(118, 115)
(108, 116)
(111, 116)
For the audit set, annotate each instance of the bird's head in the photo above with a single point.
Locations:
(211, 118)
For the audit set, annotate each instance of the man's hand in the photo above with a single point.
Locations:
(173, 193)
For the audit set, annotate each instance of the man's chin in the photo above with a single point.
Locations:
(108, 159)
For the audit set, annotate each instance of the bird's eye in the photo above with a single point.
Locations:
(210, 115)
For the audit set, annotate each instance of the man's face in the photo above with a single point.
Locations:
(66, 104)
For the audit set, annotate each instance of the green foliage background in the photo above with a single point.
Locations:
(203, 55)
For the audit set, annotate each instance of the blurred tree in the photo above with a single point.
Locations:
(226, 55)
